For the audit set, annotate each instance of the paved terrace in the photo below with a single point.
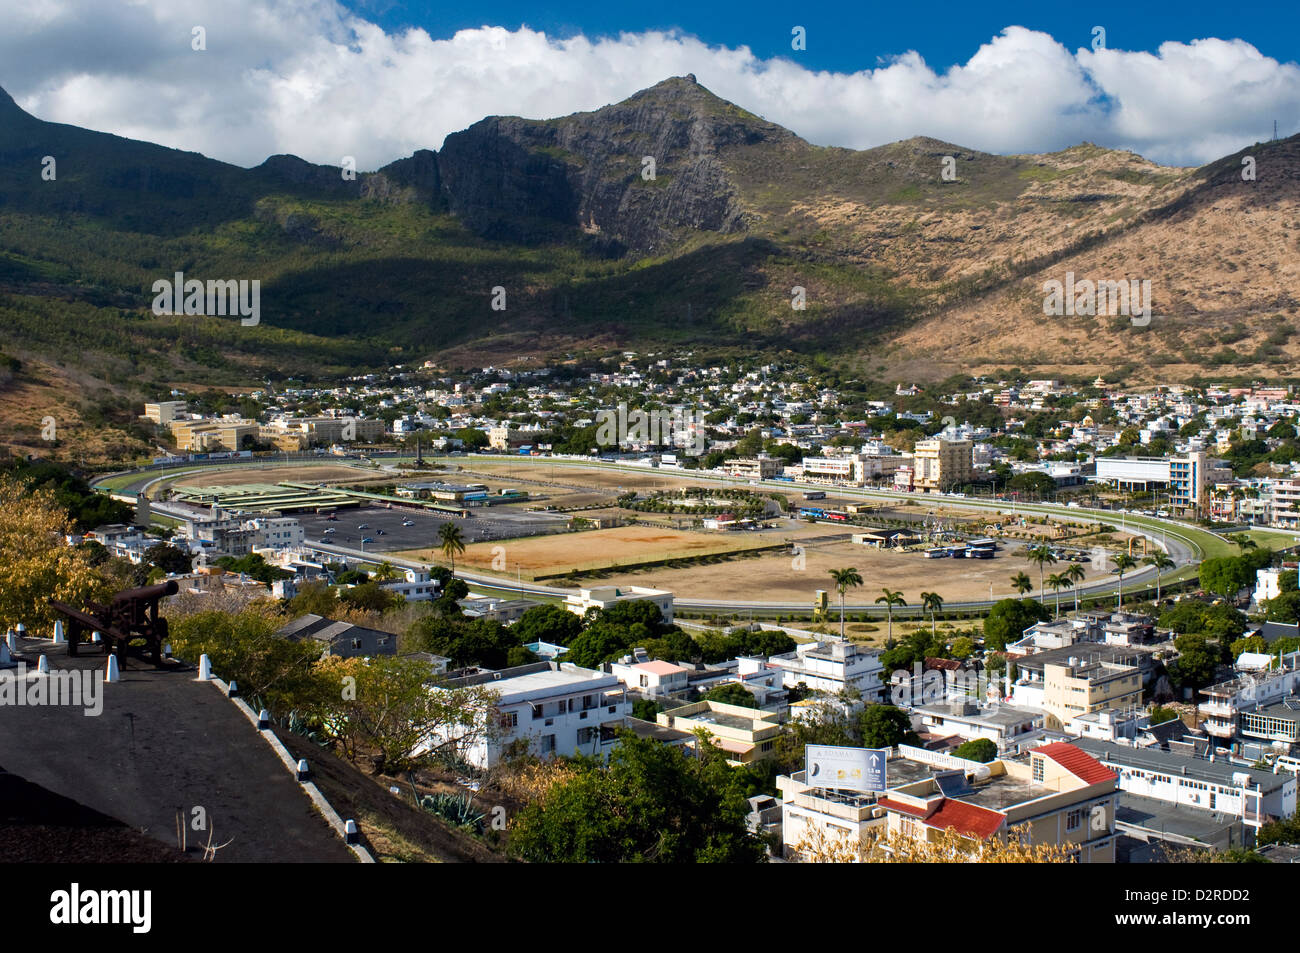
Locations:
(164, 741)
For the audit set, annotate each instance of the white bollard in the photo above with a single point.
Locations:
(263, 719)
(11, 640)
(58, 632)
(205, 668)
(111, 674)
(96, 637)
(43, 666)
(303, 771)
(232, 689)
(350, 833)
(21, 630)
(167, 650)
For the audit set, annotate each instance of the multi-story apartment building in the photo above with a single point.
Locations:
(745, 734)
(1284, 504)
(940, 464)
(752, 468)
(1071, 681)
(602, 597)
(833, 667)
(1057, 795)
(165, 411)
(549, 707)
(1226, 702)
(1003, 724)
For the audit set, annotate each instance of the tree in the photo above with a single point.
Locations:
(245, 647)
(1076, 573)
(1159, 715)
(370, 597)
(548, 623)
(1123, 563)
(878, 846)
(453, 542)
(1058, 581)
(1008, 619)
(890, 598)
(963, 647)
(982, 750)
(387, 707)
(884, 726)
(386, 572)
(845, 579)
(1283, 831)
(1284, 607)
(315, 597)
(1196, 663)
(35, 563)
(1225, 575)
(1042, 557)
(932, 602)
(1022, 583)
(731, 693)
(652, 803)
(1162, 563)
(646, 709)
(168, 558)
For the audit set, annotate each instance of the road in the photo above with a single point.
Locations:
(1176, 538)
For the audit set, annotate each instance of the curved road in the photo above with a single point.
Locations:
(1169, 534)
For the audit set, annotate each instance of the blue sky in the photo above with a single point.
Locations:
(846, 37)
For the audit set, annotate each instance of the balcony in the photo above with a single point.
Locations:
(1216, 710)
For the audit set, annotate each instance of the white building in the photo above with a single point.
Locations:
(833, 667)
(602, 597)
(276, 532)
(651, 677)
(1244, 793)
(1003, 724)
(556, 707)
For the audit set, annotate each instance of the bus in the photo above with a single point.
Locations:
(814, 495)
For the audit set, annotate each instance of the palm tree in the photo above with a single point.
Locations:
(845, 579)
(1242, 541)
(1123, 563)
(1076, 574)
(1041, 556)
(891, 598)
(453, 542)
(1058, 581)
(1022, 583)
(932, 602)
(385, 572)
(1160, 559)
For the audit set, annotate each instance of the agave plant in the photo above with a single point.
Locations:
(456, 809)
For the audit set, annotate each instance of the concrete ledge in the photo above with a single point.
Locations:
(309, 788)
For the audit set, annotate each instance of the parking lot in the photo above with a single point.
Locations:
(386, 533)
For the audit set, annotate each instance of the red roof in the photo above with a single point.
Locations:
(969, 820)
(1078, 762)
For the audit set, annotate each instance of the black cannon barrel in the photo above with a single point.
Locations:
(168, 588)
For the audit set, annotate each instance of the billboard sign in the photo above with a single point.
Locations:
(854, 769)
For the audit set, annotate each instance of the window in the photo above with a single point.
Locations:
(1074, 819)
(1038, 768)
(356, 643)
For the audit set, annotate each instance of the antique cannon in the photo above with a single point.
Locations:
(132, 614)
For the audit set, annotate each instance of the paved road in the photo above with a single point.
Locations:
(1170, 534)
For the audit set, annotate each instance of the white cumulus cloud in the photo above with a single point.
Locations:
(309, 77)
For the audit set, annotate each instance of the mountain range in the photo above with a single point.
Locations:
(671, 219)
